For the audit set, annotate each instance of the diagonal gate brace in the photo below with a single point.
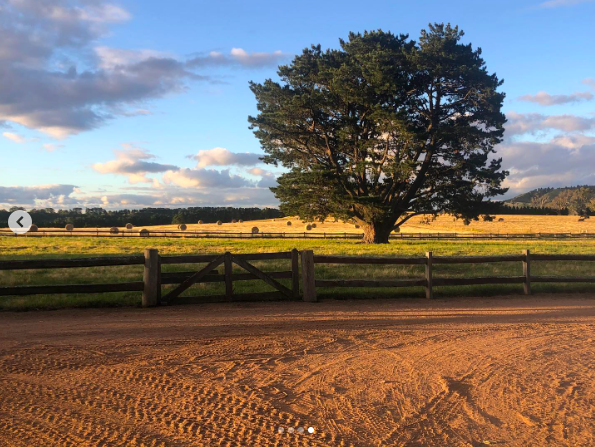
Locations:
(196, 277)
(262, 275)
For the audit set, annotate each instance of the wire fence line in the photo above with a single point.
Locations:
(144, 233)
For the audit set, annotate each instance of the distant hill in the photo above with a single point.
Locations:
(573, 199)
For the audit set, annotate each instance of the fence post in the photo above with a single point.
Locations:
(152, 278)
(295, 273)
(527, 272)
(308, 280)
(429, 291)
(228, 272)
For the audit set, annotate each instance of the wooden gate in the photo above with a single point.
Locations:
(209, 274)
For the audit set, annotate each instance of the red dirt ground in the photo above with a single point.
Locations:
(471, 372)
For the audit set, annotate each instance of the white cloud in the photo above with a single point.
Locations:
(104, 13)
(562, 3)
(545, 99)
(132, 163)
(14, 137)
(205, 178)
(573, 141)
(116, 58)
(522, 123)
(220, 156)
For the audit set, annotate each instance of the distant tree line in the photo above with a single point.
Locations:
(522, 209)
(98, 217)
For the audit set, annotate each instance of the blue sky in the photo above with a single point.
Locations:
(127, 104)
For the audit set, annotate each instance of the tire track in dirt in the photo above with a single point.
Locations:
(414, 377)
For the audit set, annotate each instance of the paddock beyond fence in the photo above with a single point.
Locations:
(286, 235)
(154, 278)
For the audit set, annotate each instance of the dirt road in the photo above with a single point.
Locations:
(473, 372)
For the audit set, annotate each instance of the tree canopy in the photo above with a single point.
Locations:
(383, 128)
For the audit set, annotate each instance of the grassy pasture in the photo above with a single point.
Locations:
(59, 247)
(443, 224)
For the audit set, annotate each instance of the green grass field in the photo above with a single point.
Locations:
(60, 247)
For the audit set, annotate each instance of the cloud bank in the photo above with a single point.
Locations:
(220, 156)
(56, 79)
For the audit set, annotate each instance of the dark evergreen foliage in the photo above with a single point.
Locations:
(383, 129)
(98, 217)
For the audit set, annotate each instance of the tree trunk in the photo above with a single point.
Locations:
(377, 232)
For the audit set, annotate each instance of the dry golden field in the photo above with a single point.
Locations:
(444, 223)
(470, 372)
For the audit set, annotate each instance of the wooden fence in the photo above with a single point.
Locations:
(154, 278)
(285, 235)
(310, 284)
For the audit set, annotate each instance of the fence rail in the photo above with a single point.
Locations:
(310, 283)
(154, 278)
(286, 235)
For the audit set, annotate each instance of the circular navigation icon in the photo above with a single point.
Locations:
(20, 222)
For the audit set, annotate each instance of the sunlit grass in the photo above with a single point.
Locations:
(59, 247)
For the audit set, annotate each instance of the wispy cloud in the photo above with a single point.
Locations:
(51, 147)
(545, 99)
(238, 57)
(14, 137)
(562, 3)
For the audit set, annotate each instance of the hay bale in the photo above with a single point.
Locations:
(234, 221)
(289, 223)
(34, 228)
(219, 222)
(182, 227)
(581, 219)
(356, 226)
(501, 219)
(129, 226)
(200, 222)
(143, 233)
(69, 227)
(240, 221)
(114, 230)
(313, 225)
(255, 230)
(307, 227)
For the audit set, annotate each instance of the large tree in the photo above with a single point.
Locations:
(383, 129)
